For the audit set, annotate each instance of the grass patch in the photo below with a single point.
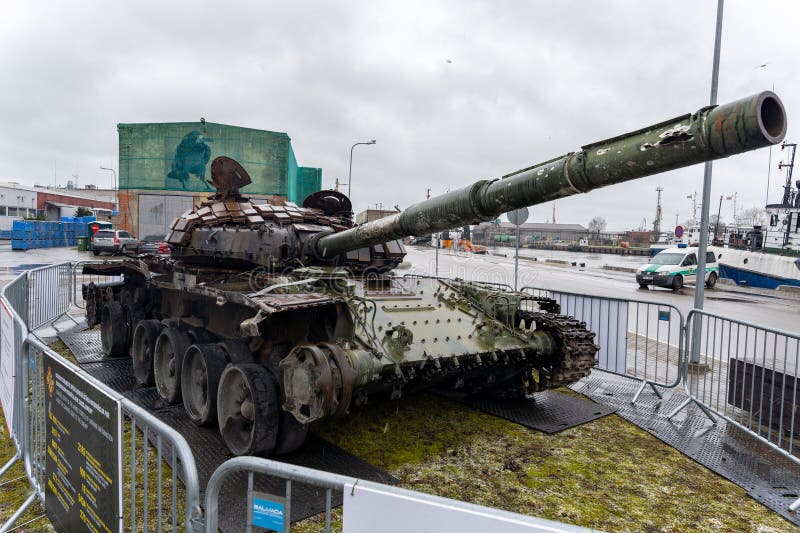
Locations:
(61, 349)
(607, 474)
(154, 503)
(15, 489)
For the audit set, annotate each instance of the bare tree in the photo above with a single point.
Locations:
(597, 224)
(754, 216)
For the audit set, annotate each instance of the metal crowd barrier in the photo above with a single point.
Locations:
(15, 294)
(49, 294)
(637, 338)
(17, 305)
(290, 473)
(79, 279)
(748, 375)
(17, 289)
(26, 412)
(489, 518)
(154, 500)
(170, 446)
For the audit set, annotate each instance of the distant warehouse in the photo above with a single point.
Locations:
(165, 168)
(45, 203)
(529, 232)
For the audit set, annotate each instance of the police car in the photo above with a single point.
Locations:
(675, 267)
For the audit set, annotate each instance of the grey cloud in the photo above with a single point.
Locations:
(527, 81)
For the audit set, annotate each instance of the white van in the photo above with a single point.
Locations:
(675, 267)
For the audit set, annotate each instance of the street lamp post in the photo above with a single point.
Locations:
(350, 174)
(114, 172)
(114, 185)
(699, 292)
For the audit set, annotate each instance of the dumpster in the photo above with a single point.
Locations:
(82, 243)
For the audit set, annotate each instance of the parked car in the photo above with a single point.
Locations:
(154, 244)
(675, 267)
(115, 241)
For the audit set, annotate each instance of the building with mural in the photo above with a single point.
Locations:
(164, 169)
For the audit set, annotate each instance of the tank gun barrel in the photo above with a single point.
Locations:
(710, 133)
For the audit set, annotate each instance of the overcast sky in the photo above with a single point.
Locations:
(452, 91)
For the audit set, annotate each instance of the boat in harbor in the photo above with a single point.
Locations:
(769, 257)
(755, 268)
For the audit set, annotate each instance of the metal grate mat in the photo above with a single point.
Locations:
(84, 345)
(548, 411)
(767, 476)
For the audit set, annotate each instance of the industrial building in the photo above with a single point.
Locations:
(21, 201)
(164, 169)
(368, 215)
(529, 232)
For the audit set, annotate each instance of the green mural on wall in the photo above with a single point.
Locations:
(177, 156)
(190, 159)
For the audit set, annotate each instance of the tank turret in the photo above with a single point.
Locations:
(255, 327)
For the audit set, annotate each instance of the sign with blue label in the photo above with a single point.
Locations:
(678, 231)
(268, 511)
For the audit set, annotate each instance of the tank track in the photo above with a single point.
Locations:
(574, 358)
(548, 305)
(576, 347)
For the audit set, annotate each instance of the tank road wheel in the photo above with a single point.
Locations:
(291, 433)
(90, 303)
(144, 343)
(167, 360)
(113, 331)
(247, 409)
(200, 373)
(133, 315)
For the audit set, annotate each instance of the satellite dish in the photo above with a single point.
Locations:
(518, 216)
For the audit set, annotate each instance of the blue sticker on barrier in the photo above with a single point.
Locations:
(663, 315)
(268, 513)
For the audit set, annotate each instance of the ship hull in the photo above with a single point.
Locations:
(757, 269)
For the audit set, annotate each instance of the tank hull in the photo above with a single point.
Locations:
(330, 342)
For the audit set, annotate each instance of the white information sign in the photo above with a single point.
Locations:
(7, 364)
(370, 507)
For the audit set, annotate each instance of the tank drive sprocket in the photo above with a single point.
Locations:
(576, 348)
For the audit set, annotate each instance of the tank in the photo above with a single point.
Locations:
(269, 317)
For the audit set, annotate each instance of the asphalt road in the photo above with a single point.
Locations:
(766, 308)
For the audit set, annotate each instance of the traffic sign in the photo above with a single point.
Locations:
(678, 232)
(518, 216)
